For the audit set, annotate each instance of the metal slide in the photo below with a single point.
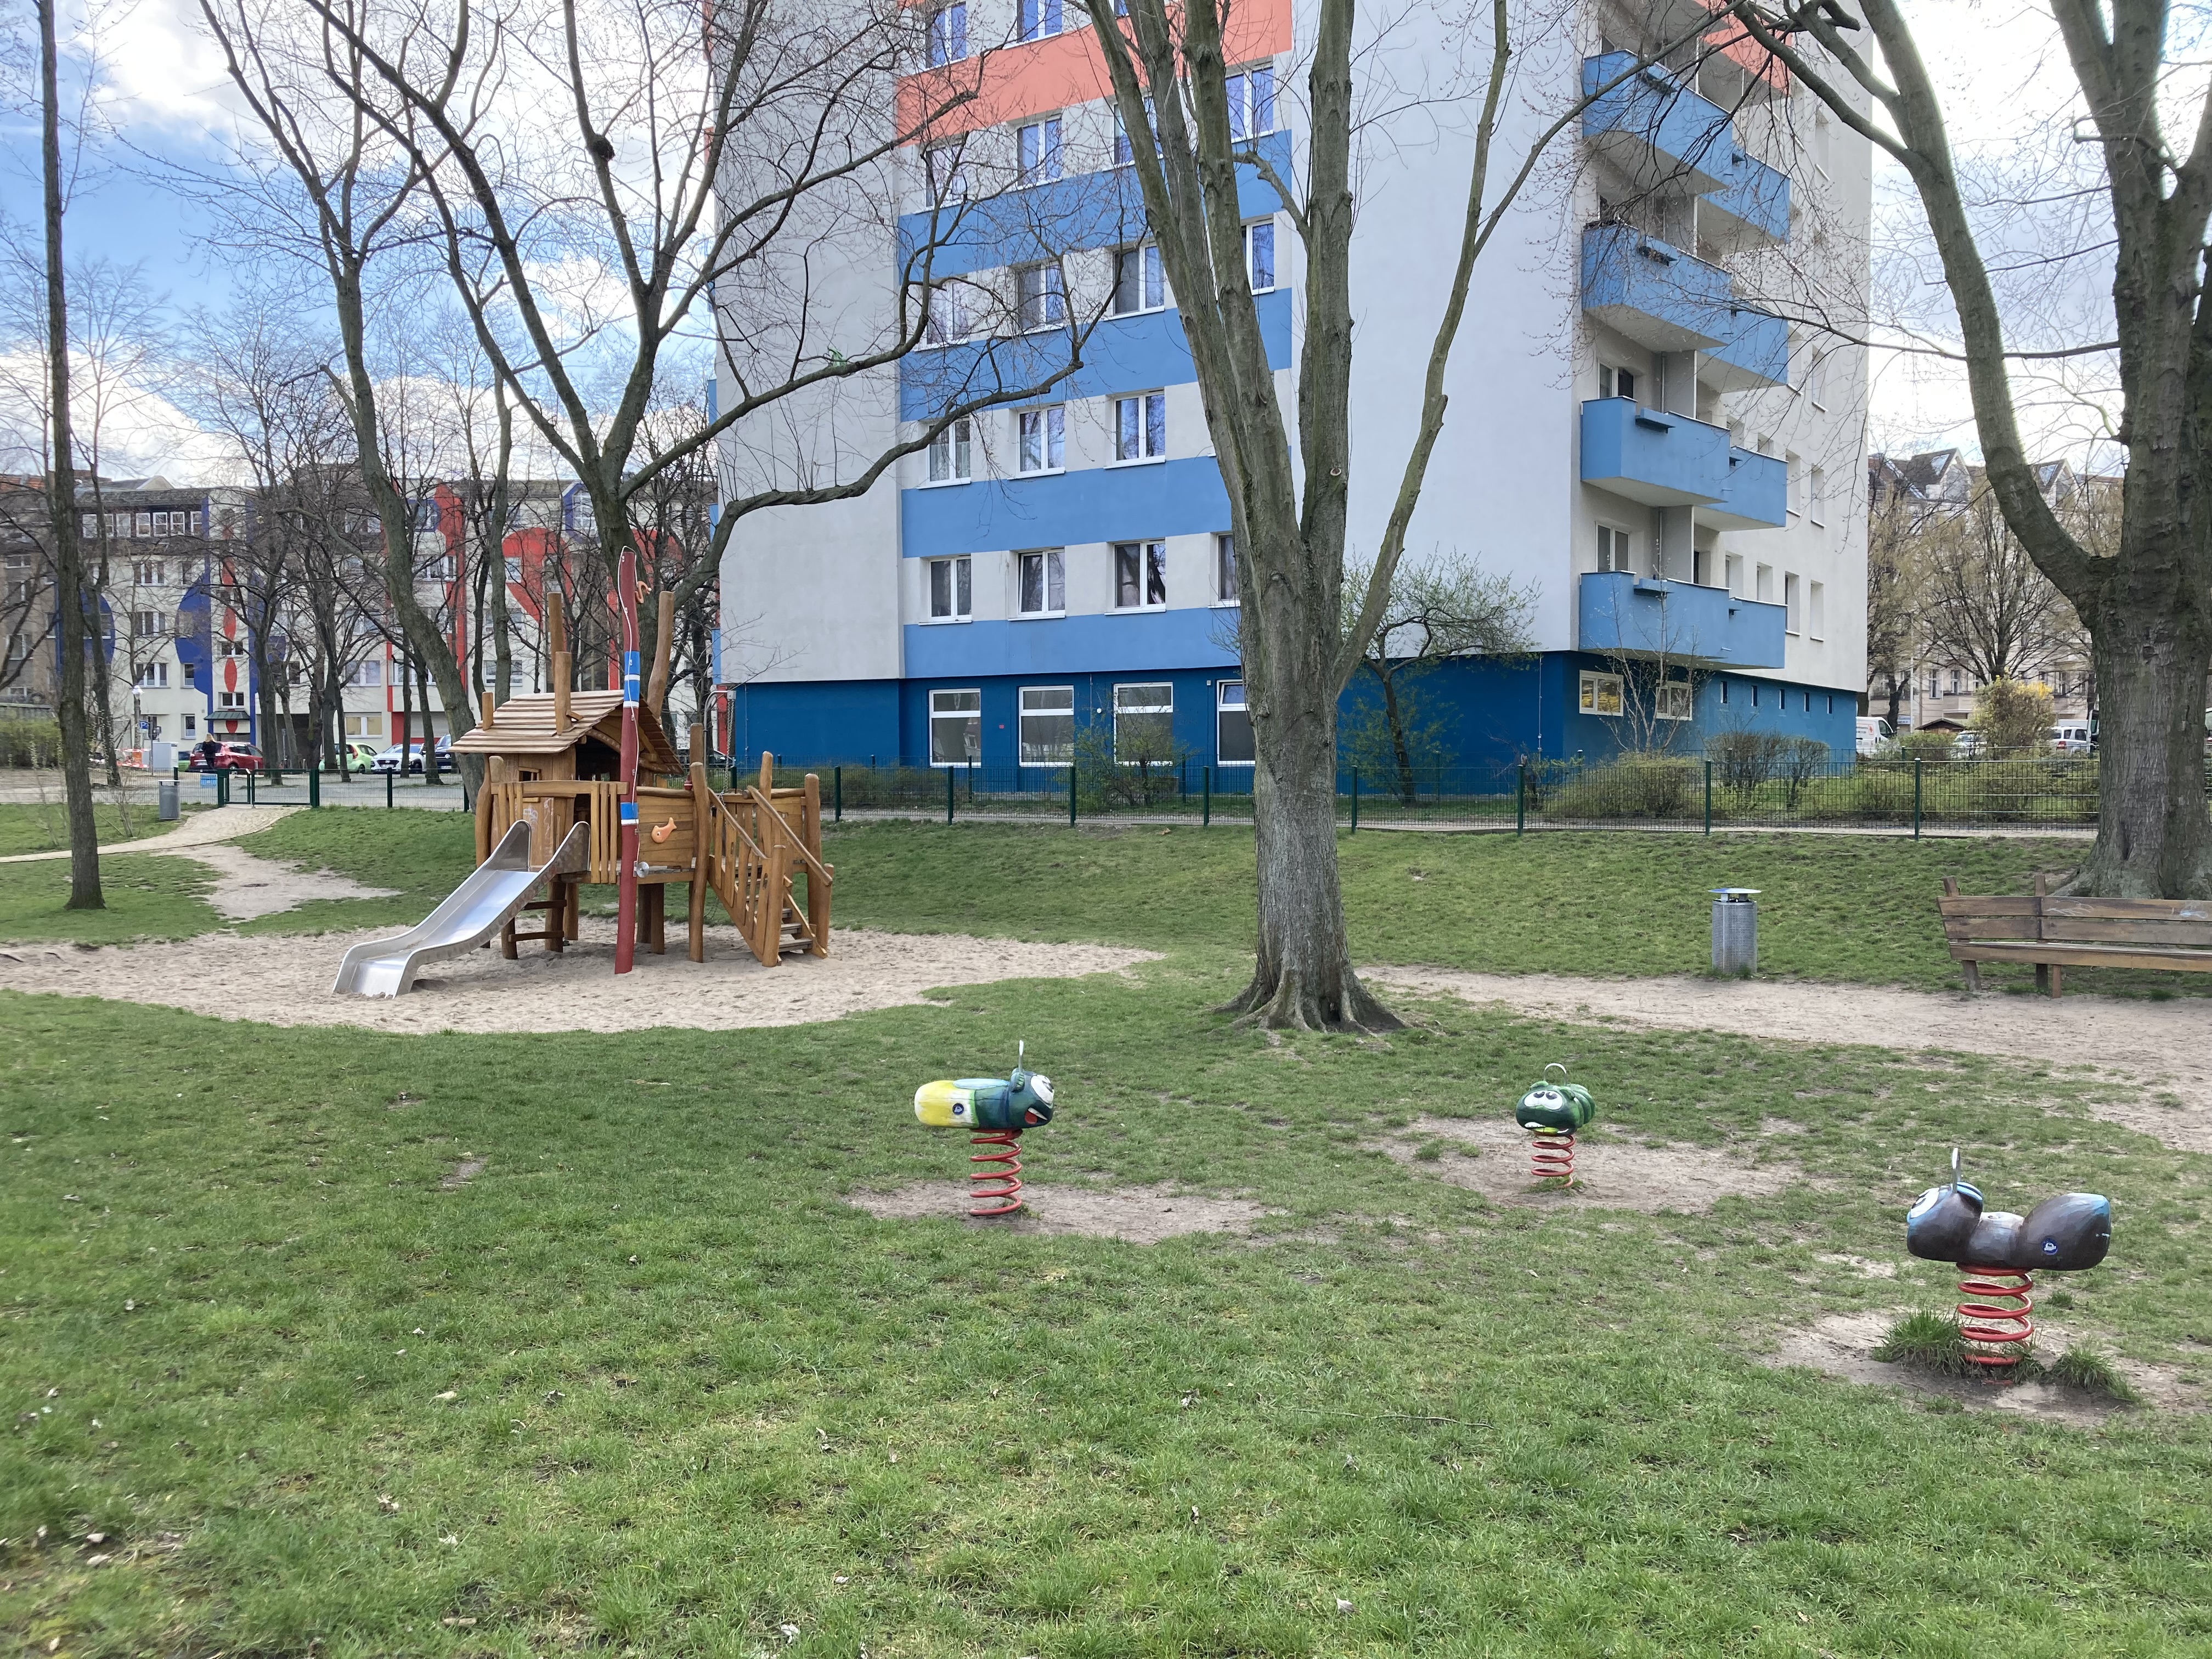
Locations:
(493, 893)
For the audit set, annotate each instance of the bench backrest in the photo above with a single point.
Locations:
(2167, 923)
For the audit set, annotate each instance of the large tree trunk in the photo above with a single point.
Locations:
(2153, 837)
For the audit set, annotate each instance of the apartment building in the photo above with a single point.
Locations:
(1674, 468)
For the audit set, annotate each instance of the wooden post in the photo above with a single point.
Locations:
(818, 892)
(656, 687)
(767, 772)
(703, 821)
(557, 634)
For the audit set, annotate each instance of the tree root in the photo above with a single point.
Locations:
(1291, 1003)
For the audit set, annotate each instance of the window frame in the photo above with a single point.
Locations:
(1225, 592)
(1052, 571)
(948, 33)
(1052, 440)
(1590, 698)
(1152, 560)
(973, 716)
(1023, 713)
(1252, 229)
(1792, 619)
(1048, 164)
(1052, 294)
(1031, 16)
(1146, 404)
(1245, 107)
(956, 443)
(960, 589)
(1222, 710)
(955, 321)
(1615, 544)
(1151, 279)
(1673, 694)
(1816, 609)
(1143, 711)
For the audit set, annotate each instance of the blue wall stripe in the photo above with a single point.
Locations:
(1116, 641)
(1097, 504)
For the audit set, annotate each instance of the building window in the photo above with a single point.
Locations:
(1140, 575)
(1137, 282)
(364, 726)
(92, 525)
(191, 724)
(1601, 693)
(147, 572)
(1615, 382)
(1791, 621)
(1141, 427)
(948, 174)
(1043, 583)
(1260, 254)
(951, 452)
(1614, 549)
(948, 34)
(1124, 152)
(1047, 721)
(1043, 300)
(145, 525)
(230, 699)
(1040, 19)
(368, 673)
(1037, 147)
(945, 319)
(191, 673)
(1225, 569)
(956, 728)
(1144, 722)
(1232, 725)
(1672, 701)
(951, 589)
(145, 624)
(1796, 472)
(154, 676)
(1816, 609)
(1819, 488)
(1043, 438)
(1252, 102)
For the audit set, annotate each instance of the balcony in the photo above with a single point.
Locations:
(1662, 460)
(1751, 210)
(1654, 129)
(1627, 615)
(1756, 496)
(1754, 355)
(1657, 295)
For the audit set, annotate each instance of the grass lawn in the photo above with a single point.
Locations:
(43, 827)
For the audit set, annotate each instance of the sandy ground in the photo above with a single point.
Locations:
(1843, 1344)
(1491, 1157)
(222, 824)
(2150, 1049)
(246, 886)
(286, 980)
(1136, 1215)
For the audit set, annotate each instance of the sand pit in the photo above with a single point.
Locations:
(1611, 1174)
(285, 979)
(2149, 1048)
(1843, 1344)
(1135, 1215)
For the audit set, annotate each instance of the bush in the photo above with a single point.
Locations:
(2014, 716)
(1927, 746)
(1139, 774)
(1634, 786)
(1742, 760)
(30, 742)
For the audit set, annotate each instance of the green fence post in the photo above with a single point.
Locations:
(1916, 798)
(1071, 794)
(388, 776)
(948, 795)
(253, 784)
(1520, 799)
(837, 794)
(1708, 798)
(1355, 801)
(1205, 797)
(314, 787)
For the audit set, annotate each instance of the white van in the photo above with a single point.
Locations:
(1874, 736)
(2073, 738)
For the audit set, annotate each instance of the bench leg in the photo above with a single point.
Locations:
(2057, 974)
(1973, 971)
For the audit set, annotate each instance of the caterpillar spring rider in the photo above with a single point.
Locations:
(995, 1110)
(1551, 1112)
(1995, 1250)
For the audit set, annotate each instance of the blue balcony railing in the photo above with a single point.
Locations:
(1756, 496)
(1622, 613)
(1753, 209)
(1658, 132)
(1656, 294)
(1663, 460)
(1754, 355)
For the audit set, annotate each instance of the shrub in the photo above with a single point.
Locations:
(30, 742)
(1137, 774)
(1743, 760)
(1634, 786)
(1799, 761)
(2014, 716)
(1927, 746)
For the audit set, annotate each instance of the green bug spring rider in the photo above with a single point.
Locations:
(995, 1110)
(1551, 1112)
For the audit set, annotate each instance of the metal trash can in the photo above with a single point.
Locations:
(1735, 931)
(165, 805)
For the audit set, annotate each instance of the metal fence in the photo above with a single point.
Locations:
(1906, 796)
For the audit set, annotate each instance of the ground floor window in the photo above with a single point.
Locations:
(1672, 701)
(364, 726)
(1232, 725)
(1047, 725)
(191, 724)
(955, 727)
(1144, 722)
(1601, 693)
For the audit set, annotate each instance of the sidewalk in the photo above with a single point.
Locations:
(208, 828)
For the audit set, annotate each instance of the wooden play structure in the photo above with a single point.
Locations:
(553, 760)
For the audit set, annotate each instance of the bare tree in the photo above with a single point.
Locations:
(1894, 583)
(1985, 607)
(2148, 607)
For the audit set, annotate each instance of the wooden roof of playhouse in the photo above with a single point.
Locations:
(527, 726)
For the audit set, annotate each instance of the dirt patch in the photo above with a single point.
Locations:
(1614, 1173)
(285, 979)
(246, 886)
(462, 1173)
(1843, 1344)
(2149, 1048)
(1135, 1215)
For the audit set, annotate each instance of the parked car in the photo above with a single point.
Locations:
(1969, 747)
(358, 758)
(229, 757)
(1876, 737)
(388, 760)
(2073, 738)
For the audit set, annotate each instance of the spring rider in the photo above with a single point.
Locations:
(1995, 1250)
(1551, 1112)
(995, 1110)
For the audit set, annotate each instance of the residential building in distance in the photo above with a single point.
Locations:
(1634, 431)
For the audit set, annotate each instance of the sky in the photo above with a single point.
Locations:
(2004, 81)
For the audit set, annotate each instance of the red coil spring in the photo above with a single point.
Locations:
(1551, 1155)
(997, 1190)
(1995, 1314)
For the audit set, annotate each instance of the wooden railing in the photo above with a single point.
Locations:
(818, 874)
(753, 883)
(551, 806)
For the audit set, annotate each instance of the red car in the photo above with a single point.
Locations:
(229, 757)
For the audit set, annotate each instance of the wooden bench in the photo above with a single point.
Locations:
(2056, 933)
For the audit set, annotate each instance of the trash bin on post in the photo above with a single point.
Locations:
(165, 800)
(1735, 931)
